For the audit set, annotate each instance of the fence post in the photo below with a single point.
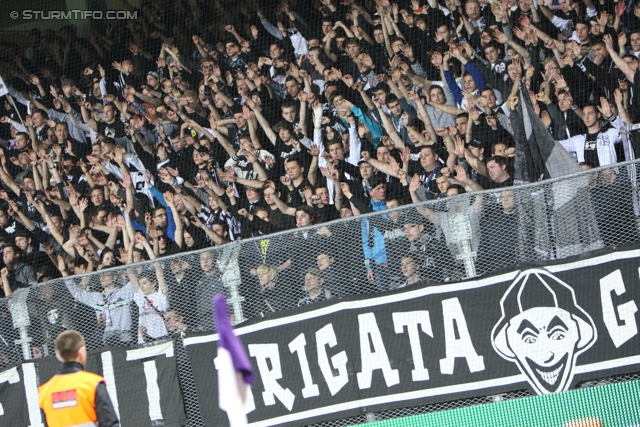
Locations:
(20, 315)
(231, 279)
(462, 233)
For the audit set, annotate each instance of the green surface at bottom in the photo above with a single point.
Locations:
(615, 405)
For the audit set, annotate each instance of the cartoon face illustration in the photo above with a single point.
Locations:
(543, 330)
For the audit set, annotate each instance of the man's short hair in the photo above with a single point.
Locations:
(492, 44)
(41, 112)
(334, 95)
(485, 89)
(293, 158)
(500, 160)
(335, 142)
(108, 104)
(592, 105)
(383, 87)
(23, 134)
(94, 211)
(394, 38)
(68, 344)
(158, 209)
(416, 123)
(277, 44)
(433, 149)
(16, 250)
(284, 125)
(392, 98)
(99, 188)
(80, 262)
(309, 211)
(291, 79)
(414, 257)
(583, 22)
(352, 40)
(436, 87)
(314, 272)
(221, 223)
(288, 104)
(335, 84)
(149, 275)
(458, 187)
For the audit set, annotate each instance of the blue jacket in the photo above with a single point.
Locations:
(377, 254)
(171, 225)
(455, 89)
(372, 125)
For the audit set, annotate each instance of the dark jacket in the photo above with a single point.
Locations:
(22, 277)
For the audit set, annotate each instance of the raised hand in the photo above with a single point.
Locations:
(415, 183)
(605, 107)
(546, 118)
(608, 42)
(285, 180)
(314, 151)
(346, 190)
(543, 97)
(560, 82)
(603, 18)
(231, 192)
(618, 96)
(168, 197)
(461, 174)
(173, 172)
(458, 145)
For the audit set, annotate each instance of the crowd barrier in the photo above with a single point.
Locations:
(447, 258)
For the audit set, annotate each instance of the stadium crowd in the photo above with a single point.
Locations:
(201, 123)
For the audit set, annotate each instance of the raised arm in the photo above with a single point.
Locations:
(621, 63)
(426, 212)
(85, 109)
(179, 238)
(266, 127)
(284, 208)
(391, 130)
(386, 168)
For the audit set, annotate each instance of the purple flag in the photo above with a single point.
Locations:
(235, 373)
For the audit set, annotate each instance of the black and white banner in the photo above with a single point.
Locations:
(142, 383)
(545, 328)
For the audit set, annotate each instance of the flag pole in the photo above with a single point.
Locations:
(15, 108)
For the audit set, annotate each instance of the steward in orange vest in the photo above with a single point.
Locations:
(75, 398)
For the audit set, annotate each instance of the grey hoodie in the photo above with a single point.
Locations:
(114, 305)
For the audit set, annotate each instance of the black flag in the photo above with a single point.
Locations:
(538, 155)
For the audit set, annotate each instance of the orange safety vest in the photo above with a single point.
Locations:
(68, 400)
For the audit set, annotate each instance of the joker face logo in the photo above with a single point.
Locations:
(543, 330)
